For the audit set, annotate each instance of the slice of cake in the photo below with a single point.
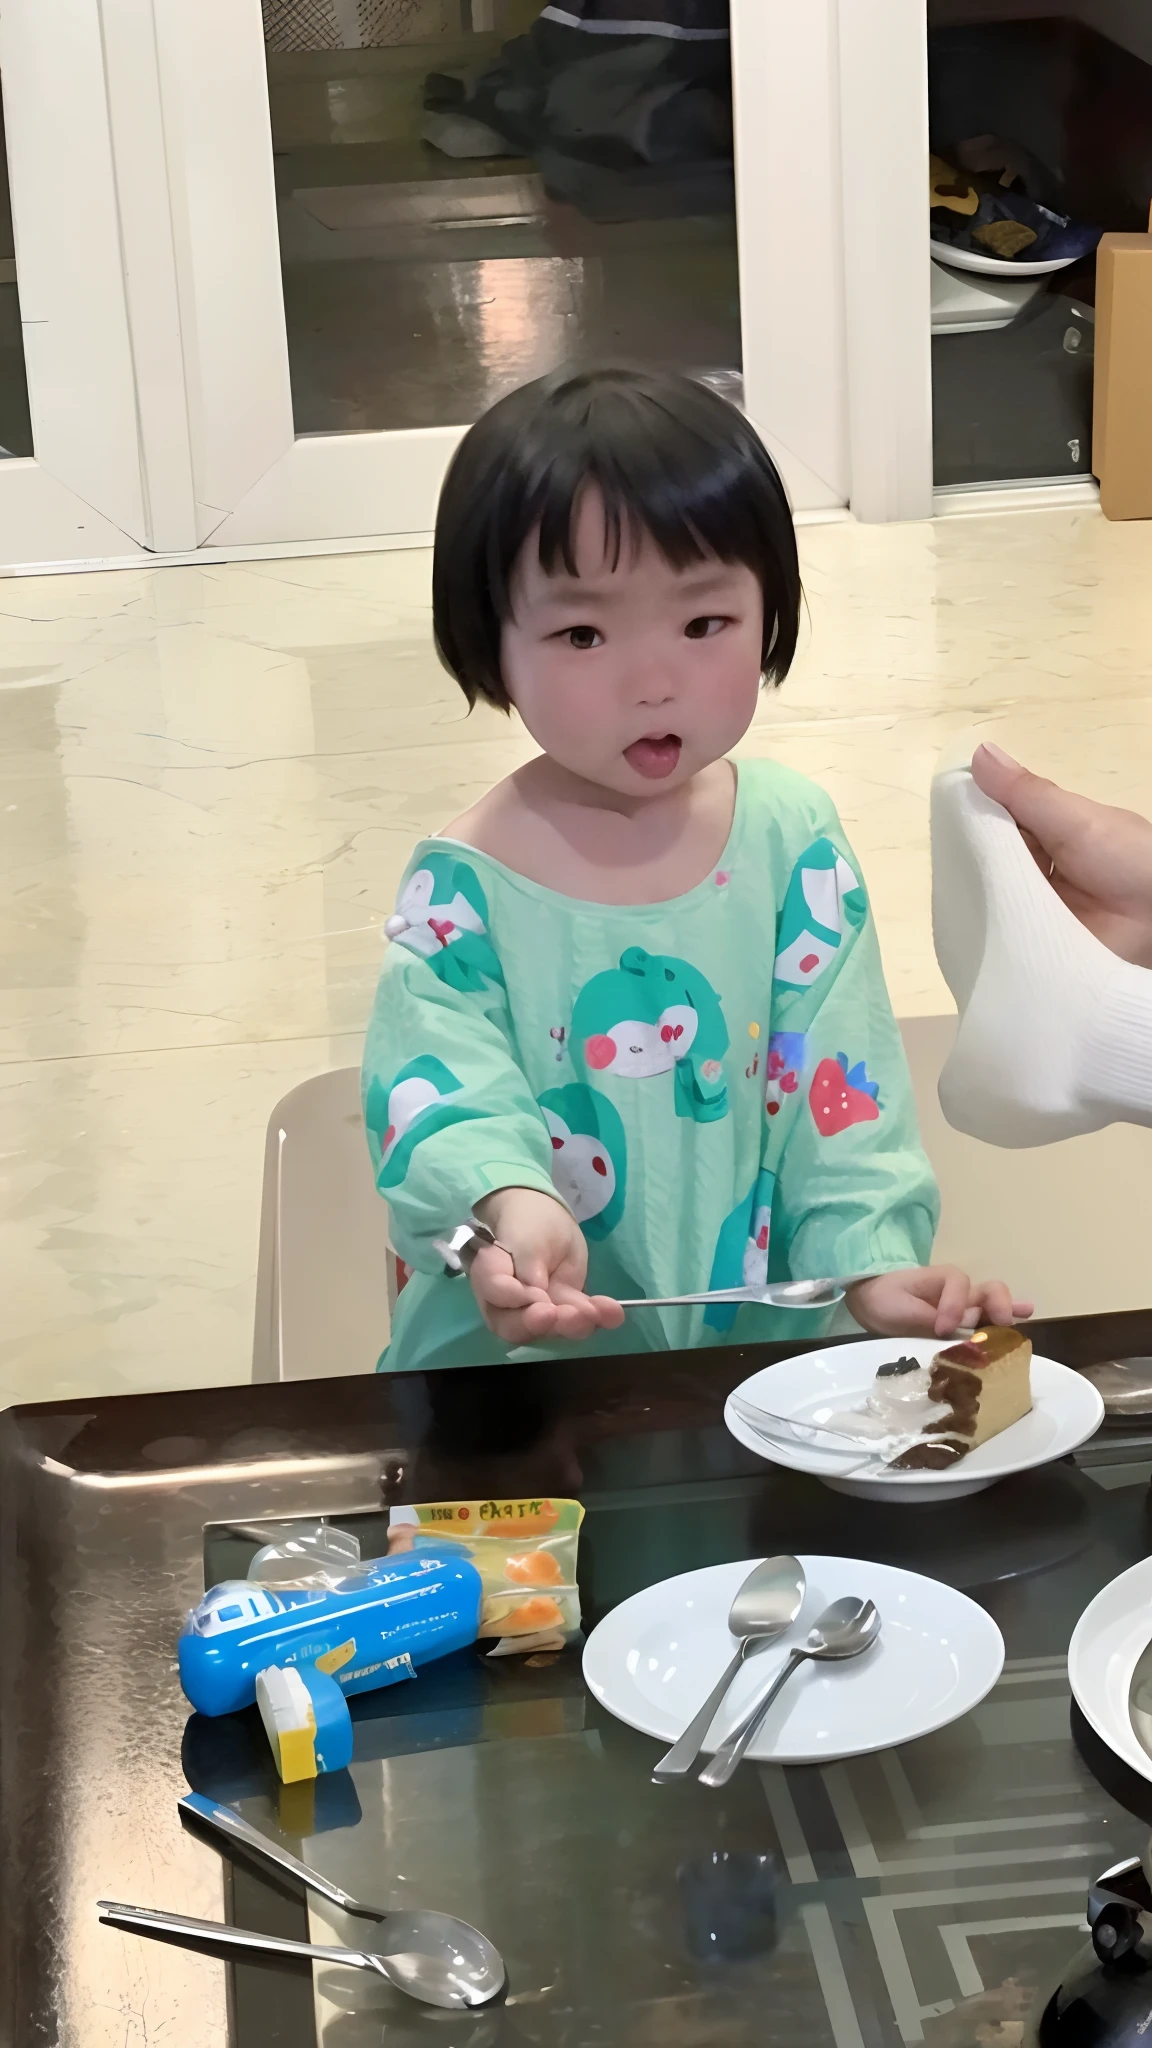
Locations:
(983, 1384)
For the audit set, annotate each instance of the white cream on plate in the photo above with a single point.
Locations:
(899, 1405)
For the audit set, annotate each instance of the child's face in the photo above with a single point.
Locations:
(636, 676)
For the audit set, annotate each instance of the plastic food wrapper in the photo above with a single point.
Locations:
(525, 1553)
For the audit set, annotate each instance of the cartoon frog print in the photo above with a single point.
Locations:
(742, 1248)
(399, 1116)
(653, 1015)
(823, 901)
(589, 1155)
(442, 915)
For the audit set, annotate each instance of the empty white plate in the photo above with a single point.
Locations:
(1066, 1411)
(1105, 1648)
(995, 266)
(657, 1656)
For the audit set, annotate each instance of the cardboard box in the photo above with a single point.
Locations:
(1122, 400)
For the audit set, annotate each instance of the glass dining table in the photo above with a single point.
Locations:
(924, 1893)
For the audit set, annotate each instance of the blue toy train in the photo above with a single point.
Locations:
(377, 1625)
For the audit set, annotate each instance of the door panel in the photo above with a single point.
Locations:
(79, 494)
(419, 286)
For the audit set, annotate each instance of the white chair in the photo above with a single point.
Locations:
(1065, 1223)
(326, 1275)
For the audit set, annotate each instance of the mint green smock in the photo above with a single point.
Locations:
(715, 1086)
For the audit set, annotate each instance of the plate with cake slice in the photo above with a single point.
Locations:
(910, 1419)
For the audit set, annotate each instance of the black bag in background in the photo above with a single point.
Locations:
(626, 105)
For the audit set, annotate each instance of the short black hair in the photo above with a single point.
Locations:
(668, 456)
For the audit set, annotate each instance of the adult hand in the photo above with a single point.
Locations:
(532, 1291)
(931, 1301)
(1098, 859)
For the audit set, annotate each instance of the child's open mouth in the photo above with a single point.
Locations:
(654, 755)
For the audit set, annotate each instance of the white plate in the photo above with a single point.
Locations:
(1104, 1651)
(1066, 1411)
(996, 266)
(654, 1658)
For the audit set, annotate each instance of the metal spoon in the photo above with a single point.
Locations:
(845, 1629)
(882, 1451)
(450, 1954)
(775, 1294)
(767, 1603)
(452, 1983)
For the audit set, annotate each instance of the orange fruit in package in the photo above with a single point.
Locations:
(532, 1615)
(534, 1568)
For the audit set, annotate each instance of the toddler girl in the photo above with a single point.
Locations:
(633, 1017)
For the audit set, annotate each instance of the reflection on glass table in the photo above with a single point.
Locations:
(923, 1893)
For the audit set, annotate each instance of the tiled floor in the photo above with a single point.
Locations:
(211, 779)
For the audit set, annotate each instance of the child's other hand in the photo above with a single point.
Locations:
(932, 1301)
(533, 1291)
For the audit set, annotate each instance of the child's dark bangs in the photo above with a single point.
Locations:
(659, 506)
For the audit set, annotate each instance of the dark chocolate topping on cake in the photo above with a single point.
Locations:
(931, 1457)
(897, 1367)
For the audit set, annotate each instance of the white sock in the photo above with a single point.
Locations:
(1055, 1032)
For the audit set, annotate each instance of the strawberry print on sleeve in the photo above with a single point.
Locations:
(841, 1096)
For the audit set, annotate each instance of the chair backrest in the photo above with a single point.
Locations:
(326, 1272)
(1062, 1223)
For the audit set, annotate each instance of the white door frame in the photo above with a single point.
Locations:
(835, 309)
(81, 497)
(887, 264)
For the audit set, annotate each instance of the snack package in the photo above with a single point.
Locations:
(525, 1553)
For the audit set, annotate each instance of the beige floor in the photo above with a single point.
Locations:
(211, 779)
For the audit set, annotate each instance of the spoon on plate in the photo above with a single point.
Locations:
(846, 1629)
(773, 1294)
(767, 1603)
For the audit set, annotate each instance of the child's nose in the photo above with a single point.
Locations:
(655, 690)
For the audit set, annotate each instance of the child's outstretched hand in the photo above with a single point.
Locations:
(533, 1290)
(931, 1301)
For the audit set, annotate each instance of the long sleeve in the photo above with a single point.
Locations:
(449, 1115)
(854, 1192)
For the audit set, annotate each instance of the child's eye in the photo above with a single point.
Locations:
(704, 629)
(581, 637)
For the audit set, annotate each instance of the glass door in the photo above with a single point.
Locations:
(387, 213)
(71, 488)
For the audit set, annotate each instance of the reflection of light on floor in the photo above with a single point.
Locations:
(522, 314)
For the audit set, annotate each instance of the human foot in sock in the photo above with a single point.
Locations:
(1055, 1031)
(1097, 858)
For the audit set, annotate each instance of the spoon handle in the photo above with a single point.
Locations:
(224, 1820)
(718, 1294)
(175, 1927)
(730, 1753)
(762, 1297)
(683, 1754)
